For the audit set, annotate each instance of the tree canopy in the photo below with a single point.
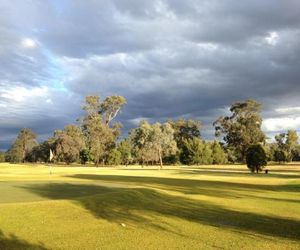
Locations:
(256, 158)
(97, 138)
(153, 141)
(242, 128)
(23, 145)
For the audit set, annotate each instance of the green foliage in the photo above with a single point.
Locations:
(114, 157)
(196, 152)
(242, 128)
(85, 156)
(100, 137)
(92, 105)
(218, 154)
(41, 152)
(2, 156)
(68, 144)
(173, 159)
(256, 158)
(286, 146)
(207, 154)
(22, 147)
(176, 141)
(270, 149)
(296, 153)
(291, 142)
(125, 148)
(183, 130)
(111, 106)
(153, 142)
(231, 153)
(280, 155)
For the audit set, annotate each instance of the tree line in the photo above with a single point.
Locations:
(97, 138)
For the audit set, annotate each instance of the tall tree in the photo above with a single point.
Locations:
(153, 142)
(142, 147)
(111, 106)
(296, 153)
(100, 137)
(114, 157)
(218, 154)
(24, 143)
(291, 143)
(286, 145)
(92, 105)
(196, 151)
(242, 128)
(183, 130)
(69, 143)
(125, 149)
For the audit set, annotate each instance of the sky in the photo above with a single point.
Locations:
(168, 58)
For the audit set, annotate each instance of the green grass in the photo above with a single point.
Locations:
(205, 207)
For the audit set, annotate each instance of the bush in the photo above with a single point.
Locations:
(280, 156)
(114, 158)
(218, 154)
(256, 158)
(84, 156)
(196, 152)
(2, 157)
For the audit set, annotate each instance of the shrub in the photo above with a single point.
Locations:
(280, 156)
(256, 158)
(114, 157)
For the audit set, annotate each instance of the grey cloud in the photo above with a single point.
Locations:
(169, 58)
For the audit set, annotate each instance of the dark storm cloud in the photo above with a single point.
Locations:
(169, 58)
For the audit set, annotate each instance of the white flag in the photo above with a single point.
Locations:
(51, 155)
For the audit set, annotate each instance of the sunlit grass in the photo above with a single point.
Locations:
(203, 207)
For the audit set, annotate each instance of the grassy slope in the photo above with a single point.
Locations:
(176, 208)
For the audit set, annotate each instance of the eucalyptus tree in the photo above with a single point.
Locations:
(23, 145)
(100, 134)
(110, 107)
(154, 141)
(141, 140)
(218, 153)
(286, 145)
(126, 150)
(242, 128)
(184, 129)
(69, 142)
(114, 157)
(196, 151)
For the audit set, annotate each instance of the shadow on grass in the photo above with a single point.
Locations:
(13, 242)
(190, 186)
(141, 205)
(275, 199)
(239, 173)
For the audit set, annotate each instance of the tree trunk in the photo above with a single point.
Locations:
(160, 160)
